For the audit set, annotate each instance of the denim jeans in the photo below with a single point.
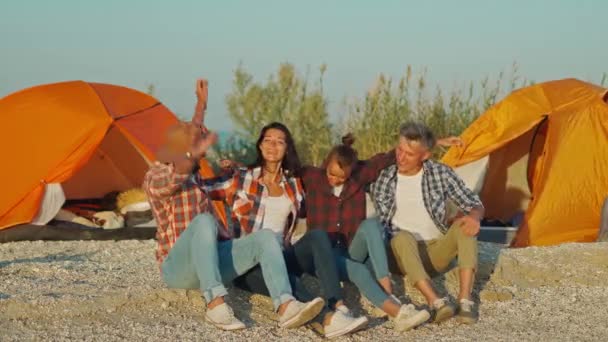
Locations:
(199, 260)
(312, 254)
(366, 249)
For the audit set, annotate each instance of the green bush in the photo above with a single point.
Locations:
(287, 98)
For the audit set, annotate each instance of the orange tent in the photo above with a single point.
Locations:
(547, 146)
(92, 138)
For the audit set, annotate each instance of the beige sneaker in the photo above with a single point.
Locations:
(466, 314)
(409, 317)
(298, 313)
(342, 323)
(223, 317)
(443, 310)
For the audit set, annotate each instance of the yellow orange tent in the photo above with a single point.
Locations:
(92, 138)
(547, 146)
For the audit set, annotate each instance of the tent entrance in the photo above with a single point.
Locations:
(116, 165)
(510, 175)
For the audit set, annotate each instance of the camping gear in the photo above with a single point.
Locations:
(127, 198)
(91, 138)
(547, 150)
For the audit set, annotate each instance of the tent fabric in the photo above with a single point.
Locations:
(548, 154)
(92, 138)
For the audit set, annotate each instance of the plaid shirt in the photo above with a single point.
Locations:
(439, 183)
(341, 216)
(175, 200)
(245, 193)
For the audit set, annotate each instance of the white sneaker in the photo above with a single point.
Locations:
(222, 317)
(409, 317)
(298, 313)
(342, 323)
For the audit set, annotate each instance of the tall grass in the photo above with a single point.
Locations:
(374, 118)
(287, 98)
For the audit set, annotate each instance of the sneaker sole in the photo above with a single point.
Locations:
(414, 321)
(357, 325)
(444, 314)
(310, 311)
(226, 327)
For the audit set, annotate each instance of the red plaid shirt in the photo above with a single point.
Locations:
(175, 200)
(244, 192)
(341, 216)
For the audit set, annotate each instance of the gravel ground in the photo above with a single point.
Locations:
(111, 291)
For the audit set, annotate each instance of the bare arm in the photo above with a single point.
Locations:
(202, 93)
(450, 141)
(372, 167)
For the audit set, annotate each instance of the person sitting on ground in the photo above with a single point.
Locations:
(268, 196)
(336, 204)
(188, 250)
(411, 199)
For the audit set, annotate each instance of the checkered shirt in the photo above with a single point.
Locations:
(245, 194)
(439, 183)
(341, 216)
(175, 200)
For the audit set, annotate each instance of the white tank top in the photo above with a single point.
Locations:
(276, 211)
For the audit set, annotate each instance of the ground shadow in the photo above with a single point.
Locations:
(59, 257)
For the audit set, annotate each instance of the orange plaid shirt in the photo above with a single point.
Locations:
(175, 200)
(245, 194)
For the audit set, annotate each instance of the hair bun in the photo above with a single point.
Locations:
(348, 140)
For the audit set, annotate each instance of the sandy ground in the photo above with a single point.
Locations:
(111, 291)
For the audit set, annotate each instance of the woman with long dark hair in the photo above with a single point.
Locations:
(269, 195)
(336, 204)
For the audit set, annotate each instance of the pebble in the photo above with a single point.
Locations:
(112, 291)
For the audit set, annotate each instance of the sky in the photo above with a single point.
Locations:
(170, 43)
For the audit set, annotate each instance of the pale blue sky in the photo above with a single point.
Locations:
(169, 43)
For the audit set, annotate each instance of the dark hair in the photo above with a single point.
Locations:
(345, 155)
(420, 132)
(291, 164)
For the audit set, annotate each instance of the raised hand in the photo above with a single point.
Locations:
(450, 141)
(229, 164)
(202, 93)
(469, 225)
(202, 90)
(203, 144)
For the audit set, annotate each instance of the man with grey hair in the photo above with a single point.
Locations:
(411, 198)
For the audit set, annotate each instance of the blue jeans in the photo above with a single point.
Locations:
(198, 260)
(367, 247)
(308, 255)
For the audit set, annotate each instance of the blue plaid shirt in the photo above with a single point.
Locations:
(439, 183)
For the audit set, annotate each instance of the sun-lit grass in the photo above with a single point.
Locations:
(374, 118)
